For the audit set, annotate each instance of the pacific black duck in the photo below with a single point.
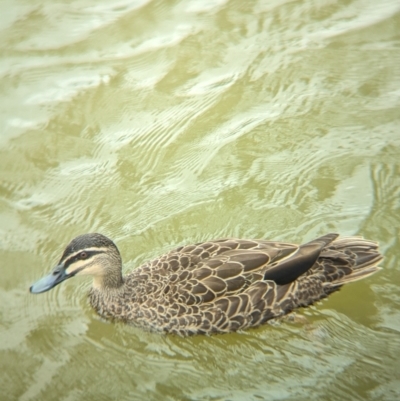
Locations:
(215, 286)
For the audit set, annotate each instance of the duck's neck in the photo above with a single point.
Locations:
(108, 282)
(112, 277)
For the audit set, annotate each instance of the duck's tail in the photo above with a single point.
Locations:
(349, 259)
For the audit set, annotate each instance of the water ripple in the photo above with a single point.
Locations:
(162, 123)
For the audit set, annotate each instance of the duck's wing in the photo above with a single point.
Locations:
(234, 265)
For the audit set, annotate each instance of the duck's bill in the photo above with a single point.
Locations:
(57, 276)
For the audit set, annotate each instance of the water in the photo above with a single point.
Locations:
(160, 123)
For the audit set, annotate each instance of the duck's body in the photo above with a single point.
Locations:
(216, 286)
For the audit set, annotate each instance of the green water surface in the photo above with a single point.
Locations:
(159, 123)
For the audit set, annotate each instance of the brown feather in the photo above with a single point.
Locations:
(222, 285)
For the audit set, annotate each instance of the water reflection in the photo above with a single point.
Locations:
(165, 123)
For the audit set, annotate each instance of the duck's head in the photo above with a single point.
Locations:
(89, 254)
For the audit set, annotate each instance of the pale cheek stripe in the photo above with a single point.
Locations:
(84, 269)
(74, 268)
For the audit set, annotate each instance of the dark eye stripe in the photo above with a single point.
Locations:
(73, 258)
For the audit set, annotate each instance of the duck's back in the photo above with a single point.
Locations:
(231, 284)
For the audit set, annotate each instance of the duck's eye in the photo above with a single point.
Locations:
(83, 255)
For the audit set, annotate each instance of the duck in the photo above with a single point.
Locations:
(217, 286)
